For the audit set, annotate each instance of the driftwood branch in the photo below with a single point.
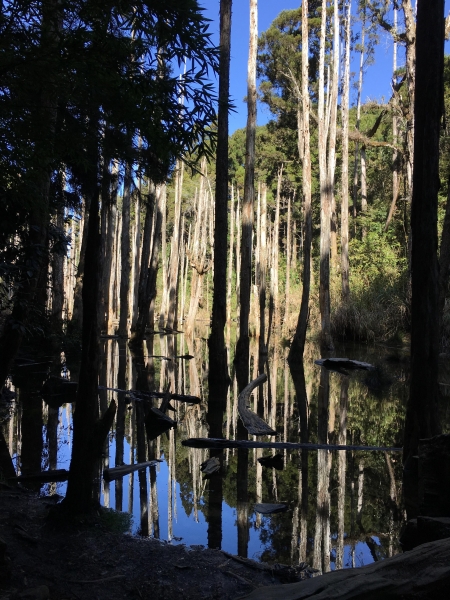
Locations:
(220, 444)
(254, 424)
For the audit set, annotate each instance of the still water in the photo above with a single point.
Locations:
(343, 508)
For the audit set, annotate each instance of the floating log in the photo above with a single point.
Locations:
(138, 395)
(220, 444)
(117, 472)
(270, 509)
(253, 424)
(275, 462)
(156, 423)
(343, 363)
(43, 476)
(210, 466)
(185, 356)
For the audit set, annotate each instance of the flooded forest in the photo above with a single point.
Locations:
(229, 340)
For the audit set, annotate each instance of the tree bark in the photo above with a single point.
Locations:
(216, 343)
(125, 254)
(243, 346)
(422, 410)
(298, 343)
(344, 192)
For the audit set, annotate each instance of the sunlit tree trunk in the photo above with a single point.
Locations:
(230, 267)
(325, 197)
(344, 168)
(124, 307)
(275, 255)
(298, 343)
(262, 276)
(243, 345)
(173, 277)
(395, 154)
(287, 289)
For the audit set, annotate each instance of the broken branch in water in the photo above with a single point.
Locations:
(219, 444)
(254, 424)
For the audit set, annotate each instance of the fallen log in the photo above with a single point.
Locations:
(219, 444)
(421, 573)
(343, 363)
(43, 476)
(253, 424)
(117, 472)
(270, 509)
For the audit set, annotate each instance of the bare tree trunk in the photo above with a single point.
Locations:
(124, 308)
(149, 270)
(136, 257)
(197, 254)
(216, 342)
(243, 346)
(298, 343)
(238, 250)
(344, 192)
(358, 110)
(422, 418)
(77, 314)
(230, 267)
(275, 254)
(262, 273)
(325, 199)
(395, 155)
(287, 289)
(172, 284)
(58, 277)
(342, 461)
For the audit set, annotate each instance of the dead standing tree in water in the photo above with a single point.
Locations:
(198, 250)
(217, 350)
(422, 419)
(243, 346)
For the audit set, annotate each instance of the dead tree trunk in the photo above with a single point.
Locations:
(243, 346)
(344, 170)
(124, 307)
(298, 343)
(422, 419)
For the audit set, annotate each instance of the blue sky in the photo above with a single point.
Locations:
(377, 79)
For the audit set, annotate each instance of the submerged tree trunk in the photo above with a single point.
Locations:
(216, 343)
(242, 356)
(149, 270)
(422, 418)
(89, 433)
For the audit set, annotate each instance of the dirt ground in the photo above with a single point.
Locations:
(40, 560)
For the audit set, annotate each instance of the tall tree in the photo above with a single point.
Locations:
(298, 343)
(422, 410)
(325, 194)
(243, 346)
(344, 170)
(216, 343)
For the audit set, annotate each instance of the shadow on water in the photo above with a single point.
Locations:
(337, 513)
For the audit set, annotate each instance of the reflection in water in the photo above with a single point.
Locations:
(338, 513)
